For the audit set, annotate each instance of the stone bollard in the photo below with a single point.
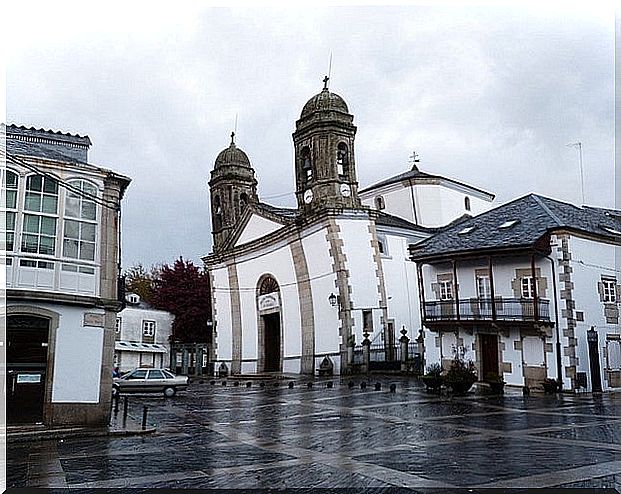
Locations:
(350, 384)
(144, 417)
(235, 383)
(223, 383)
(393, 387)
(261, 384)
(378, 386)
(291, 384)
(366, 354)
(363, 385)
(309, 385)
(212, 382)
(329, 384)
(248, 384)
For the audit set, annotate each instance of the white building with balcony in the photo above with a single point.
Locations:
(61, 234)
(142, 336)
(520, 288)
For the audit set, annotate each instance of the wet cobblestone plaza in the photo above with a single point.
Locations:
(214, 436)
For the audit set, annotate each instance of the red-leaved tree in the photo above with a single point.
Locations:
(184, 291)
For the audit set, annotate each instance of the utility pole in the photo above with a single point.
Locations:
(578, 145)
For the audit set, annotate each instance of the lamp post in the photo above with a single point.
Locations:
(593, 342)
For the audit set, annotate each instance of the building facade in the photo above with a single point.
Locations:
(294, 286)
(142, 336)
(61, 234)
(527, 291)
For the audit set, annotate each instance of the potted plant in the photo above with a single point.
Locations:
(433, 378)
(460, 376)
(496, 383)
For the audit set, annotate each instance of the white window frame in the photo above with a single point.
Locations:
(85, 247)
(10, 211)
(527, 287)
(609, 293)
(446, 289)
(148, 328)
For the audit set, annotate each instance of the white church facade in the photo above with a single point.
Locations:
(292, 286)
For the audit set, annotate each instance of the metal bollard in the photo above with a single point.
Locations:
(309, 385)
(350, 384)
(291, 384)
(363, 385)
(378, 386)
(116, 398)
(248, 384)
(330, 384)
(223, 383)
(144, 417)
(261, 384)
(235, 383)
(393, 387)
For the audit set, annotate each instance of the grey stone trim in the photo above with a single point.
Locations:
(305, 297)
(567, 313)
(236, 323)
(339, 267)
(213, 347)
(379, 273)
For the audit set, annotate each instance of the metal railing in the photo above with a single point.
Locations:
(476, 309)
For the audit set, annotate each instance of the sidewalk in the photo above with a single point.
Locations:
(23, 433)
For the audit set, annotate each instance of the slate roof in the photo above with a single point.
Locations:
(386, 219)
(536, 215)
(415, 173)
(48, 144)
(286, 213)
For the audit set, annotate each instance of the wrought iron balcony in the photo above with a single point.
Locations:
(476, 309)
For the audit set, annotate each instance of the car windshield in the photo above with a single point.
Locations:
(137, 374)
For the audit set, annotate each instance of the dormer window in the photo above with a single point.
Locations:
(342, 160)
(379, 203)
(509, 224)
(466, 230)
(467, 203)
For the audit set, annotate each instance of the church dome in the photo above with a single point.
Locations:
(324, 101)
(232, 156)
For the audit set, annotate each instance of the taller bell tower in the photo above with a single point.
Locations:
(325, 166)
(232, 187)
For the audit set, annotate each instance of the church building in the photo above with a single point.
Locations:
(295, 287)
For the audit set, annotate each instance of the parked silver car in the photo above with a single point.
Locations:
(149, 381)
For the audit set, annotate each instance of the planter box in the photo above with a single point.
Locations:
(432, 383)
(460, 387)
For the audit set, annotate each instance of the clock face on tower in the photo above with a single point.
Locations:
(308, 196)
(345, 190)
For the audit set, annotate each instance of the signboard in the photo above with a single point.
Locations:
(269, 301)
(28, 378)
(94, 319)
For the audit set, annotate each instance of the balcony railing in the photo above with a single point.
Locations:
(476, 309)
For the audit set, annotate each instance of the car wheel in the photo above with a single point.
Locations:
(169, 392)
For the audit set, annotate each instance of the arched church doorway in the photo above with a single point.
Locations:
(270, 327)
(26, 357)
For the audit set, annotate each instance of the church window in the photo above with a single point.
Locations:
(217, 209)
(467, 203)
(342, 160)
(307, 168)
(379, 203)
(268, 285)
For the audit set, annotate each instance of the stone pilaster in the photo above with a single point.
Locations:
(236, 322)
(305, 296)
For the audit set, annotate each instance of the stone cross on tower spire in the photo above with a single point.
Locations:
(325, 82)
(232, 137)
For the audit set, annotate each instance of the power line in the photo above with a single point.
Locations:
(102, 202)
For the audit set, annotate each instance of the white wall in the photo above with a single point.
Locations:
(222, 313)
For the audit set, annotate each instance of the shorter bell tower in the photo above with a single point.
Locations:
(325, 166)
(232, 187)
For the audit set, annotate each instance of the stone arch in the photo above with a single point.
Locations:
(269, 324)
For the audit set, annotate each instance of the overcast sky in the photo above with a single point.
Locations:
(486, 96)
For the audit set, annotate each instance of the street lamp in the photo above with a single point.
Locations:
(332, 299)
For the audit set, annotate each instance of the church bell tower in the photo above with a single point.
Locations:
(325, 167)
(232, 187)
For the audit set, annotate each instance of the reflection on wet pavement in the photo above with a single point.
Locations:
(237, 437)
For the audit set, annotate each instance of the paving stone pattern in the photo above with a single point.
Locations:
(219, 437)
